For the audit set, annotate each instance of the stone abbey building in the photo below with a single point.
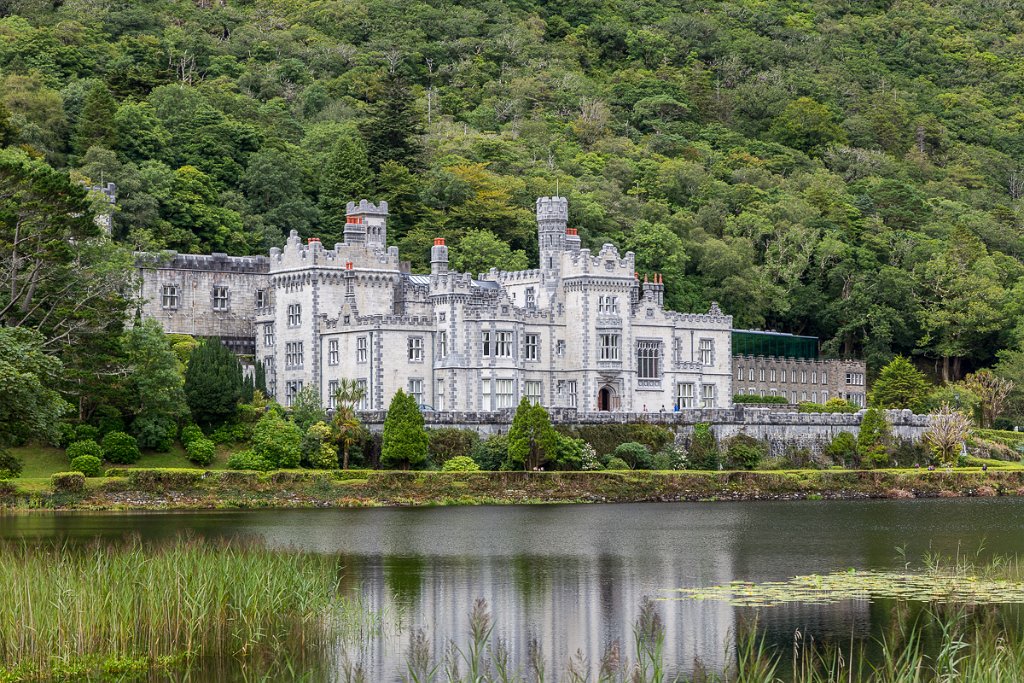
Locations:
(581, 331)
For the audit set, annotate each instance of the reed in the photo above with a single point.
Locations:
(64, 607)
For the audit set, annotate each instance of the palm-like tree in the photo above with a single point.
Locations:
(349, 393)
(348, 430)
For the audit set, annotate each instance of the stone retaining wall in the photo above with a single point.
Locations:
(811, 430)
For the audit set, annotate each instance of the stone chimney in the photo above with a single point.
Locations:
(438, 257)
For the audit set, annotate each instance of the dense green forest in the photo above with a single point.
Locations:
(846, 169)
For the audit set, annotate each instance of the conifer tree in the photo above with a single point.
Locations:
(96, 122)
(899, 385)
(392, 131)
(345, 177)
(404, 441)
(532, 440)
(213, 383)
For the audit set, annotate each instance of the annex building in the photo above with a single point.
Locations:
(581, 331)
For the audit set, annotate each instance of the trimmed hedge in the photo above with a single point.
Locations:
(89, 465)
(85, 447)
(606, 438)
(161, 478)
(201, 451)
(755, 398)
(121, 448)
(68, 482)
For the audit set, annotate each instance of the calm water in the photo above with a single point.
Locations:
(573, 577)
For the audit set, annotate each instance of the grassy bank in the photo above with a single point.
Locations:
(139, 488)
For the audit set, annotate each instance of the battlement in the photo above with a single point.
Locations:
(607, 262)
(713, 317)
(365, 208)
(513, 276)
(552, 209)
(344, 256)
(215, 263)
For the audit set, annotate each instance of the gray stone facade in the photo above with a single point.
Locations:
(184, 293)
(800, 379)
(582, 331)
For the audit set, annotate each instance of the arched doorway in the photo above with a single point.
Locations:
(604, 399)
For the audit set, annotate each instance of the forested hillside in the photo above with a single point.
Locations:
(852, 170)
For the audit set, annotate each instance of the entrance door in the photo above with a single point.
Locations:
(604, 399)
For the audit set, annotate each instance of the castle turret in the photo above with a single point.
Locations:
(438, 257)
(366, 222)
(552, 217)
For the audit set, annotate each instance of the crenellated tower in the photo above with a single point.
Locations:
(552, 219)
(367, 223)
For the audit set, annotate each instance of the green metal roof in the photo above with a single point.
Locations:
(761, 343)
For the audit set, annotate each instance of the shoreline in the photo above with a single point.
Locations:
(182, 489)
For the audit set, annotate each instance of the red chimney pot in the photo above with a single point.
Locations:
(438, 241)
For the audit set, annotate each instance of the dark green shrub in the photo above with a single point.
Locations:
(1004, 423)
(10, 465)
(744, 452)
(89, 465)
(615, 463)
(317, 450)
(447, 443)
(873, 439)
(491, 453)
(605, 438)
(87, 447)
(843, 450)
(571, 454)
(633, 454)
(235, 432)
(249, 460)
(703, 452)
(155, 432)
(121, 448)
(907, 453)
(662, 460)
(277, 441)
(68, 482)
(108, 419)
(85, 432)
(190, 433)
(201, 451)
(65, 435)
(460, 463)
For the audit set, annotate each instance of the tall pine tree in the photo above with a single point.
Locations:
(393, 129)
(345, 177)
(213, 383)
(404, 441)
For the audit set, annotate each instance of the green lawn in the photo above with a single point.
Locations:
(42, 461)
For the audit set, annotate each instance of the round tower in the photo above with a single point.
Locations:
(552, 219)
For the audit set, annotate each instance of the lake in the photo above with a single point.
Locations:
(572, 577)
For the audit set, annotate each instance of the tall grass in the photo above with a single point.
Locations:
(933, 645)
(188, 598)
